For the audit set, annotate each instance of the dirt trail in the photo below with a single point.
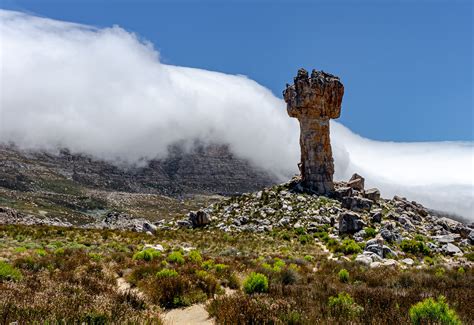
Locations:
(195, 314)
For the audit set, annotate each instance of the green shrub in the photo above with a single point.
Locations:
(220, 268)
(469, 256)
(414, 247)
(256, 282)
(176, 257)
(166, 273)
(428, 260)
(323, 235)
(308, 258)
(285, 236)
(440, 272)
(304, 239)
(343, 305)
(195, 257)
(300, 231)
(207, 265)
(349, 246)
(461, 270)
(148, 254)
(20, 249)
(370, 232)
(278, 263)
(41, 252)
(430, 311)
(343, 275)
(9, 273)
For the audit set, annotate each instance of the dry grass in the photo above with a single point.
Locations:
(69, 275)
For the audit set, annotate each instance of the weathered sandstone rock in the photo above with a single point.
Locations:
(313, 101)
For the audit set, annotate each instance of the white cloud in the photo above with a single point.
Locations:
(104, 92)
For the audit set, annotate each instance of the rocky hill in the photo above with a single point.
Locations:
(203, 170)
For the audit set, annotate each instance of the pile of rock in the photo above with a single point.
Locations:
(11, 216)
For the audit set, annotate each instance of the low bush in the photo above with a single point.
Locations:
(255, 282)
(430, 311)
(304, 239)
(343, 275)
(207, 265)
(370, 232)
(166, 273)
(220, 268)
(9, 273)
(343, 305)
(195, 257)
(348, 246)
(176, 257)
(148, 254)
(414, 247)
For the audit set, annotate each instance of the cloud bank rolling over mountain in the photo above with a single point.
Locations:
(105, 92)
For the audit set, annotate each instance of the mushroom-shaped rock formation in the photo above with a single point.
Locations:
(313, 101)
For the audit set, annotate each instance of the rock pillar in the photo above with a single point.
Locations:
(313, 101)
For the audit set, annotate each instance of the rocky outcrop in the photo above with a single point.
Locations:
(314, 101)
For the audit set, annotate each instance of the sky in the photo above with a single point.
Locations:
(406, 65)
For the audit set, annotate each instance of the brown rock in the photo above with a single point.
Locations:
(313, 101)
(372, 194)
(357, 182)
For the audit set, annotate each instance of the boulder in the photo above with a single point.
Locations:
(356, 182)
(364, 259)
(341, 192)
(444, 239)
(376, 217)
(357, 204)
(376, 249)
(149, 227)
(451, 249)
(350, 223)
(372, 194)
(389, 234)
(199, 218)
(408, 261)
(471, 237)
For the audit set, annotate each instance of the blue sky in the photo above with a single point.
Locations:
(407, 66)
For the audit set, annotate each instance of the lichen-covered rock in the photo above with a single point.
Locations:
(313, 101)
(199, 218)
(372, 194)
(350, 223)
(356, 203)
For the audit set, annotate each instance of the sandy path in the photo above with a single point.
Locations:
(195, 314)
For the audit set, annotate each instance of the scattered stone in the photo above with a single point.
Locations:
(157, 247)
